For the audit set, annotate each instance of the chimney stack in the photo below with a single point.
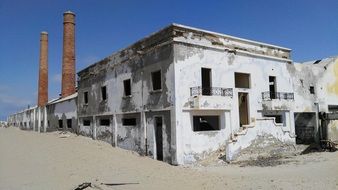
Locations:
(43, 70)
(68, 58)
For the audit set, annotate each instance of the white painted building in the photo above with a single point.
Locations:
(182, 92)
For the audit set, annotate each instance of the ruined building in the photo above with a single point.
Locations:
(183, 92)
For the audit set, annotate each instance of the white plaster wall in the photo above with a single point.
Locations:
(327, 85)
(188, 64)
(263, 127)
(67, 108)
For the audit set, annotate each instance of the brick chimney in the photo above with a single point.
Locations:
(43, 70)
(68, 58)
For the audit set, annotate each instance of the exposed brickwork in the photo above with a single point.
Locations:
(43, 70)
(68, 58)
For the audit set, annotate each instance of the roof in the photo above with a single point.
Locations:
(321, 62)
(63, 99)
(163, 34)
(231, 37)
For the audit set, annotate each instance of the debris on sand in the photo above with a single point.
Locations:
(215, 158)
(64, 134)
(83, 186)
(264, 161)
(267, 151)
(264, 151)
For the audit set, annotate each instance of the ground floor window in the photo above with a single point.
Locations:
(104, 122)
(278, 118)
(206, 123)
(86, 122)
(69, 123)
(129, 121)
(333, 108)
(60, 124)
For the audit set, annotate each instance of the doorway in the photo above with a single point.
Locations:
(243, 108)
(159, 138)
(305, 124)
(272, 87)
(206, 81)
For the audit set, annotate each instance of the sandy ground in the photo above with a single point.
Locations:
(29, 160)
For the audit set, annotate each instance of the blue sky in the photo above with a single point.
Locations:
(308, 27)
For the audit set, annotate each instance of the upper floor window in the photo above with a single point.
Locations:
(127, 87)
(85, 97)
(104, 93)
(206, 81)
(242, 80)
(156, 80)
(312, 90)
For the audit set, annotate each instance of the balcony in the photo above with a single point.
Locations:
(277, 100)
(211, 91)
(277, 96)
(213, 98)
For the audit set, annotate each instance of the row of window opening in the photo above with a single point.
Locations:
(156, 86)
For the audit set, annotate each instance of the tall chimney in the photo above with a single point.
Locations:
(68, 58)
(43, 70)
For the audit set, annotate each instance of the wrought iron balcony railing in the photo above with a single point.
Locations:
(211, 91)
(277, 95)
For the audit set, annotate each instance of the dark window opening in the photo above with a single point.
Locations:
(69, 123)
(333, 108)
(104, 92)
(127, 87)
(272, 87)
(312, 90)
(60, 124)
(85, 97)
(242, 80)
(278, 118)
(129, 121)
(156, 80)
(206, 81)
(206, 123)
(86, 122)
(104, 122)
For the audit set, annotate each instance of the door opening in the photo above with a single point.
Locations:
(159, 138)
(243, 108)
(206, 81)
(272, 87)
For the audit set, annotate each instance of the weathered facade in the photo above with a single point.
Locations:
(183, 92)
(62, 114)
(316, 95)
